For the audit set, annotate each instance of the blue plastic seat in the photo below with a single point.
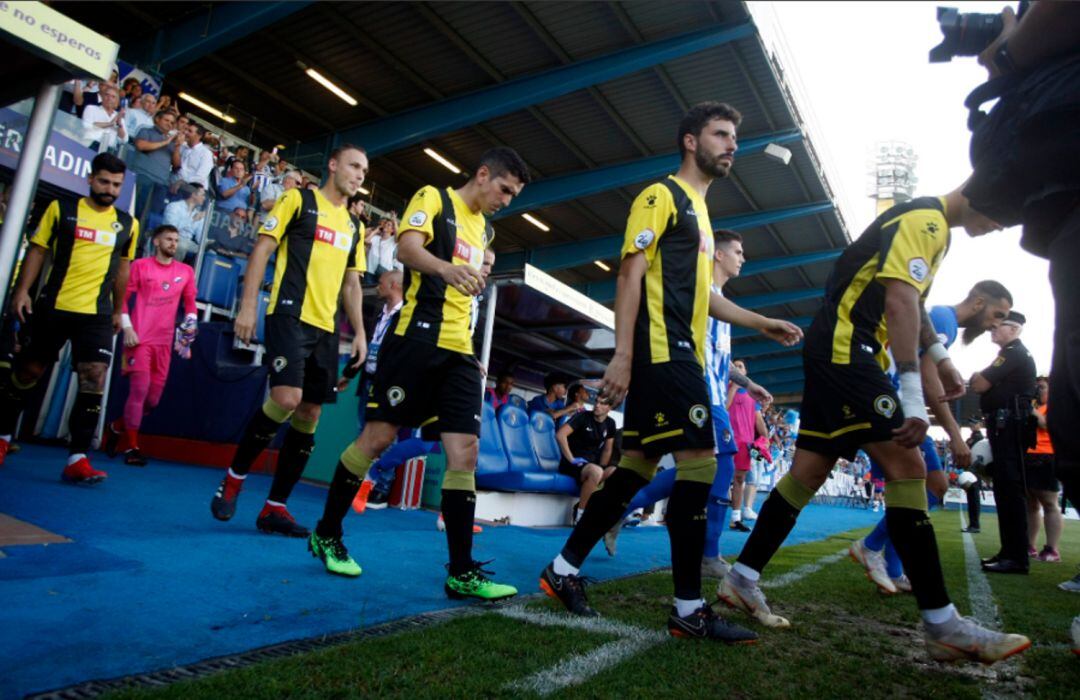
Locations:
(519, 401)
(217, 280)
(492, 458)
(514, 425)
(522, 470)
(542, 437)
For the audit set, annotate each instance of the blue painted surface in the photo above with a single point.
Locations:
(150, 580)
(413, 126)
(800, 321)
(756, 267)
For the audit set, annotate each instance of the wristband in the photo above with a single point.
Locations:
(937, 353)
(125, 321)
(911, 397)
(580, 461)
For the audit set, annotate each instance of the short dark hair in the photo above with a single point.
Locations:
(725, 235)
(163, 112)
(503, 160)
(552, 379)
(703, 113)
(345, 147)
(991, 289)
(107, 162)
(199, 128)
(164, 228)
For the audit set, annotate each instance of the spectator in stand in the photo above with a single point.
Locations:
(234, 194)
(273, 191)
(140, 114)
(576, 396)
(132, 92)
(499, 394)
(585, 445)
(553, 400)
(382, 255)
(165, 103)
(152, 160)
(188, 216)
(194, 160)
(78, 93)
(1043, 488)
(262, 174)
(182, 122)
(103, 125)
(746, 425)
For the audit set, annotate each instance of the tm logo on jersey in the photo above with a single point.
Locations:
(106, 238)
(341, 241)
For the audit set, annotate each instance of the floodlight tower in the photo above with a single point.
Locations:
(891, 173)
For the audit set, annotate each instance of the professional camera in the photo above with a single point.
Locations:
(966, 33)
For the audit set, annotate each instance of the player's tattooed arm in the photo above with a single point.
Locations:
(927, 333)
(738, 378)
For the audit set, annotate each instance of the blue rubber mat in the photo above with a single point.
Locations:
(151, 580)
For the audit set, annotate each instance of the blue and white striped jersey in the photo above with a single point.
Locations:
(718, 357)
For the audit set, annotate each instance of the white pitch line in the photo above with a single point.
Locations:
(599, 625)
(803, 571)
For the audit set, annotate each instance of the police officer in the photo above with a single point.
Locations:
(1006, 389)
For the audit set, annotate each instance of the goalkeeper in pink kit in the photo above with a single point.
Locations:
(159, 284)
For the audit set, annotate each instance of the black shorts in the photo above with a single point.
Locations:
(302, 355)
(667, 410)
(572, 470)
(47, 330)
(420, 385)
(845, 407)
(1039, 471)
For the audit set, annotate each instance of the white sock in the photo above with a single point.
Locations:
(5, 438)
(72, 459)
(274, 503)
(746, 572)
(563, 567)
(234, 475)
(686, 607)
(736, 515)
(939, 616)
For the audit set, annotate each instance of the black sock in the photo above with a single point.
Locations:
(459, 510)
(292, 459)
(12, 399)
(686, 528)
(774, 524)
(260, 430)
(913, 536)
(83, 421)
(605, 508)
(342, 492)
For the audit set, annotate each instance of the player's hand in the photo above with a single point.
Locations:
(116, 324)
(961, 453)
(22, 306)
(911, 433)
(359, 351)
(244, 325)
(464, 278)
(760, 394)
(951, 380)
(131, 338)
(784, 332)
(616, 379)
(1008, 26)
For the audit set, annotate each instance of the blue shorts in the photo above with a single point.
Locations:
(929, 453)
(725, 439)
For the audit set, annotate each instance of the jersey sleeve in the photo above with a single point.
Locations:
(132, 285)
(357, 257)
(420, 215)
(133, 241)
(649, 217)
(944, 320)
(47, 226)
(912, 253)
(284, 211)
(188, 295)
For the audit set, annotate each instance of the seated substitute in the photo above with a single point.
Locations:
(586, 442)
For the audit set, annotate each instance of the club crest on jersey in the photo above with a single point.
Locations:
(270, 224)
(418, 219)
(660, 419)
(395, 395)
(178, 279)
(165, 286)
(918, 269)
(699, 415)
(725, 437)
(885, 405)
(279, 363)
(644, 239)
(117, 227)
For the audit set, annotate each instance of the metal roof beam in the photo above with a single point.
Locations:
(764, 347)
(774, 363)
(792, 387)
(783, 377)
(594, 180)
(413, 126)
(604, 291)
(784, 262)
(184, 42)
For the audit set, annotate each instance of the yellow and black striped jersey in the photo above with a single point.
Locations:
(669, 224)
(906, 242)
(318, 243)
(86, 247)
(433, 311)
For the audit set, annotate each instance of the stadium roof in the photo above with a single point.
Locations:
(590, 94)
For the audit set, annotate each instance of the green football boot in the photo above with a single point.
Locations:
(475, 583)
(333, 553)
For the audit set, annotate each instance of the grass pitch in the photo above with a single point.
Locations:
(846, 641)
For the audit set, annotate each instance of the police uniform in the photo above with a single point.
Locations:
(427, 374)
(1006, 408)
(75, 303)
(318, 242)
(667, 403)
(848, 399)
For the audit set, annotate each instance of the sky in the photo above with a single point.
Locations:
(861, 75)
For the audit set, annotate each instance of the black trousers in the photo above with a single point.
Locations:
(1010, 495)
(974, 506)
(1064, 396)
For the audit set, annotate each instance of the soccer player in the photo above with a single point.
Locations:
(427, 374)
(662, 305)
(159, 284)
(986, 305)
(92, 245)
(873, 297)
(320, 254)
(728, 260)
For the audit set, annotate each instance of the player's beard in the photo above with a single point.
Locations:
(102, 199)
(973, 331)
(711, 165)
